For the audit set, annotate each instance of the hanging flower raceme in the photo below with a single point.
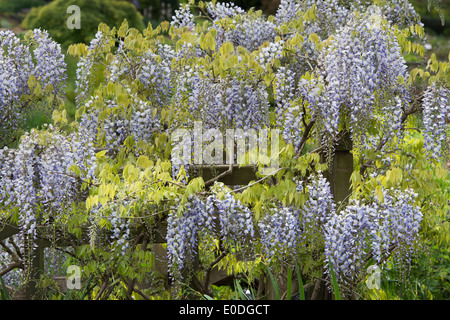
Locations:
(223, 10)
(287, 231)
(183, 234)
(43, 177)
(362, 68)
(247, 30)
(87, 65)
(371, 230)
(281, 234)
(27, 69)
(236, 220)
(436, 107)
(287, 11)
(183, 18)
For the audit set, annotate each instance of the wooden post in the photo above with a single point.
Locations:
(241, 175)
(341, 169)
(33, 270)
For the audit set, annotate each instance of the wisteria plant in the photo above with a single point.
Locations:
(105, 191)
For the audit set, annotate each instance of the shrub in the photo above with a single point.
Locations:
(17, 5)
(53, 17)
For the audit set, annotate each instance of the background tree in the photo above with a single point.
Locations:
(52, 17)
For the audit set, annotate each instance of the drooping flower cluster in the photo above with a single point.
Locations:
(350, 238)
(121, 232)
(236, 103)
(50, 66)
(248, 31)
(281, 234)
(287, 11)
(362, 67)
(400, 12)
(44, 175)
(38, 57)
(110, 126)
(156, 74)
(223, 10)
(272, 51)
(331, 15)
(363, 231)
(288, 114)
(220, 216)
(286, 231)
(87, 66)
(183, 17)
(436, 107)
(183, 233)
(236, 220)
(318, 208)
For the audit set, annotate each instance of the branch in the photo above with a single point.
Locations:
(11, 267)
(104, 285)
(143, 295)
(8, 250)
(208, 271)
(225, 173)
(16, 248)
(414, 107)
(305, 136)
(260, 180)
(168, 181)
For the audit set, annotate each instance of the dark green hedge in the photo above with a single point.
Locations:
(53, 17)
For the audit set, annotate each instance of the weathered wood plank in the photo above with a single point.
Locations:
(241, 175)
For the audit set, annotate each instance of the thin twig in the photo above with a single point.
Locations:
(11, 267)
(223, 174)
(305, 136)
(260, 180)
(212, 264)
(143, 295)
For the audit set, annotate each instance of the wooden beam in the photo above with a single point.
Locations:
(8, 230)
(241, 175)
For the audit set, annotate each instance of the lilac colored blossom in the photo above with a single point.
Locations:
(39, 175)
(183, 17)
(183, 234)
(223, 10)
(86, 66)
(436, 106)
(280, 233)
(236, 220)
(37, 56)
(376, 229)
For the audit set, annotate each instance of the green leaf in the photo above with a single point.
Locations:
(3, 290)
(100, 154)
(274, 284)
(240, 292)
(301, 290)
(38, 91)
(337, 294)
(32, 82)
